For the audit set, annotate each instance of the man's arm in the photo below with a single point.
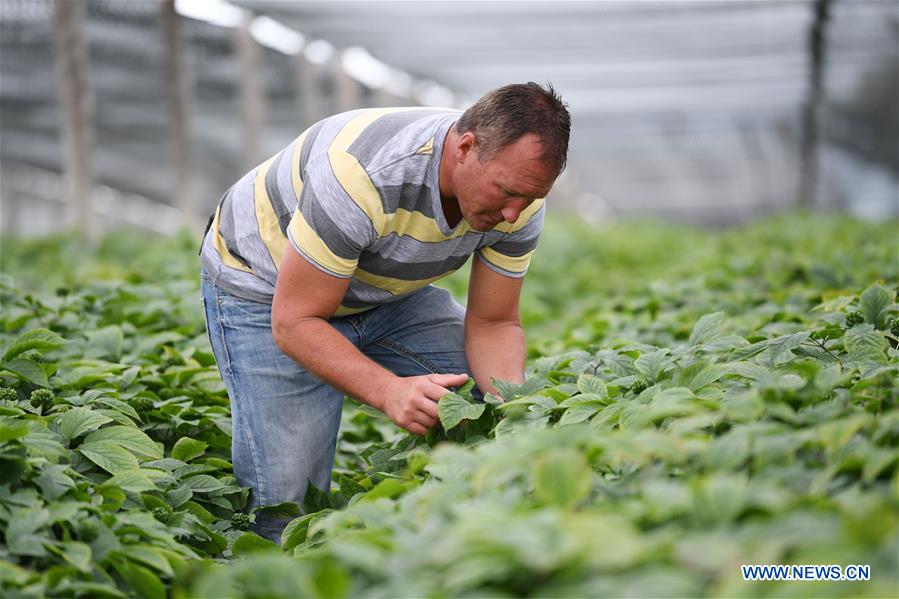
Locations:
(305, 297)
(494, 339)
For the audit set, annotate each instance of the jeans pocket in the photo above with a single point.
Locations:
(205, 320)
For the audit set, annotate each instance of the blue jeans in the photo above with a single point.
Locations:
(284, 418)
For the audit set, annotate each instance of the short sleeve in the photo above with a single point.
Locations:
(329, 228)
(511, 254)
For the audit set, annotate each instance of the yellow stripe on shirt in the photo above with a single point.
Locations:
(350, 174)
(313, 246)
(418, 226)
(356, 125)
(295, 178)
(516, 264)
(396, 286)
(266, 219)
(219, 243)
(355, 181)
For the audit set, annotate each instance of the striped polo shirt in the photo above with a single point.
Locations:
(357, 196)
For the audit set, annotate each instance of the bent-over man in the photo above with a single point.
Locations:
(318, 264)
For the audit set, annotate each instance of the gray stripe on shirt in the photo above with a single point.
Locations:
(385, 267)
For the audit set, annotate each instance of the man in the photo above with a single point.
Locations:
(317, 268)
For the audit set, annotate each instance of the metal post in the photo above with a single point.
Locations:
(309, 91)
(349, 92)
(808, 184)
(179, 96)
(252, 96)
(77, 118)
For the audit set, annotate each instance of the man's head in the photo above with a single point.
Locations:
(505, 151)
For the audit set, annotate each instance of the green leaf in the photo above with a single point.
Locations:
(22, 525)
(779, 350)
(12, 429)
(203, 483)
(579, 413)
(453, 409)
(510, 391)
(15, 575)
(54, 482)
(286, 509)
(706, 376)
(878, 461)
(78, 421)
(707, 329)
(148, 556)
(76, 553)
(561, 478)
(466, 387)
(131, 481)
(142, 581)
(13, 464)
(388, 488)
(42, 340)
(874, 304)
(179, 495)
(105, 343)
(186, 449)
(65, 511)
(250, 542)
(28, 370)
(295, 532)
(128, 437)
(41, 442)
(588, 383)
(110, 456)
(720, 498)
(865, 344)
(652, 364)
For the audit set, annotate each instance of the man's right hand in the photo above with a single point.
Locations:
(411, 402)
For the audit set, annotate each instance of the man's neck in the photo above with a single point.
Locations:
(448, 201)
(451, 211)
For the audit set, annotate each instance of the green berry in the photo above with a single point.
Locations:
(166, 394)
(160, 513)
(853, 319)
(142, 404)
(8, 394)
(42, 398)
(240, 521)
(639, 386)
(894, 326)
(87, 530)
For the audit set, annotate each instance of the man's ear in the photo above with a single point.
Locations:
(466, 143)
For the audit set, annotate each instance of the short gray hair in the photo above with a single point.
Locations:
(500, 117)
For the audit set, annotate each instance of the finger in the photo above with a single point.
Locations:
(434, 392)
(424, 420)
(416, 429)
(428, 406)
(426, 409)
(448, 380)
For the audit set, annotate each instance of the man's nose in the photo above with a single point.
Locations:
(513, 210)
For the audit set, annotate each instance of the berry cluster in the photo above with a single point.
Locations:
(240, 521)
(639, 386)
(87, 531)
(42, 398)
(8, 394)
(160, 513)
(893, 325)
(853, 319)
(142, 404)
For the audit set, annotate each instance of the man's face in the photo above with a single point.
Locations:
(499, 189)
